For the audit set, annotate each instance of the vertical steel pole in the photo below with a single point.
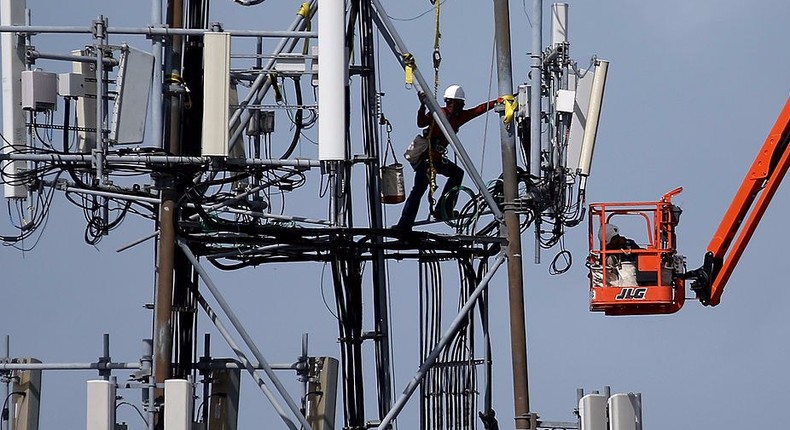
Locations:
(163, 305)
(149, 390)
(372, 142)
(510, 188)
(99, 28)
(9, 422)
(163, 328)
(535, 94)
(160, 344)
(156, 89)
(535, 82)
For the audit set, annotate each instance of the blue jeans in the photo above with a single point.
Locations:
(445, 167)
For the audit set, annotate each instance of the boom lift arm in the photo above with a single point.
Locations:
(744, 214)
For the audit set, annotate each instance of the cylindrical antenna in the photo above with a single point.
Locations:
(331, 81)
(593, 116)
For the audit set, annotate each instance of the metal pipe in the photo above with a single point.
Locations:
(149, 392)
(7, 360)
(535, 105)
(243, 333)
(157, 109)
(446, 338)
(161, 159)
(68, 188)
(304, 373)
(12, 407)
(36, 55)
(153, 31)
(206, 374)
(126, 365)
(101, 91)
(518, 336)
(163, 304)
(535, 88)
(105, 358)
(379, 274)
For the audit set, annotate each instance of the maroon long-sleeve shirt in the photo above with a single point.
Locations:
(439, 142)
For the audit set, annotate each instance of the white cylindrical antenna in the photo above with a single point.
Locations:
(593, 116)
(559, 23)
(332, 67)
(12, 51)
(101, 405)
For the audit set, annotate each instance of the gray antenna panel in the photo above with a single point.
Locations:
(134, 89)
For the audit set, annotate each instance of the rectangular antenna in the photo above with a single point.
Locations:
(101, 405)
(12, 50)
(28, 404)
(216, 94)
(86, 105)
(131, 105)
(178, 404)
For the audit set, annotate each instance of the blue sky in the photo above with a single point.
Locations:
(693, 89)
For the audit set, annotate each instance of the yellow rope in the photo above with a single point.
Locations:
(437, 60)
(511, 105)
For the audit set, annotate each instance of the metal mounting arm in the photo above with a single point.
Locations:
(744, 214)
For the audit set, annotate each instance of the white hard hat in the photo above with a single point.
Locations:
(454, 92)
(608, 232)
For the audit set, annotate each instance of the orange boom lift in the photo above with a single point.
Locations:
(658, 286)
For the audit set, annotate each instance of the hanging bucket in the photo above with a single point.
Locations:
(392, 188)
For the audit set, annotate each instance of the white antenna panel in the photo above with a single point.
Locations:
(559, 23)
(216, 94)
(178, 404)
(12, 54)
(586, 114)
(101, 405)
(592, 412)
(625, 412)
(332, 78)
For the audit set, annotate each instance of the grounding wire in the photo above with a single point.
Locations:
(135, 408)
(5, 405)
(323, 294)
(420, 15)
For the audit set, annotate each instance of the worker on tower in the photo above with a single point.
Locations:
(454, 99)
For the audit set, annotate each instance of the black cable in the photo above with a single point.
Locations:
(297, 121)
(142, 417)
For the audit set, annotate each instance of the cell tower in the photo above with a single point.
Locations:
(192, 124)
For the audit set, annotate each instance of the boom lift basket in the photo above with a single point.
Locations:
(639, 281)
